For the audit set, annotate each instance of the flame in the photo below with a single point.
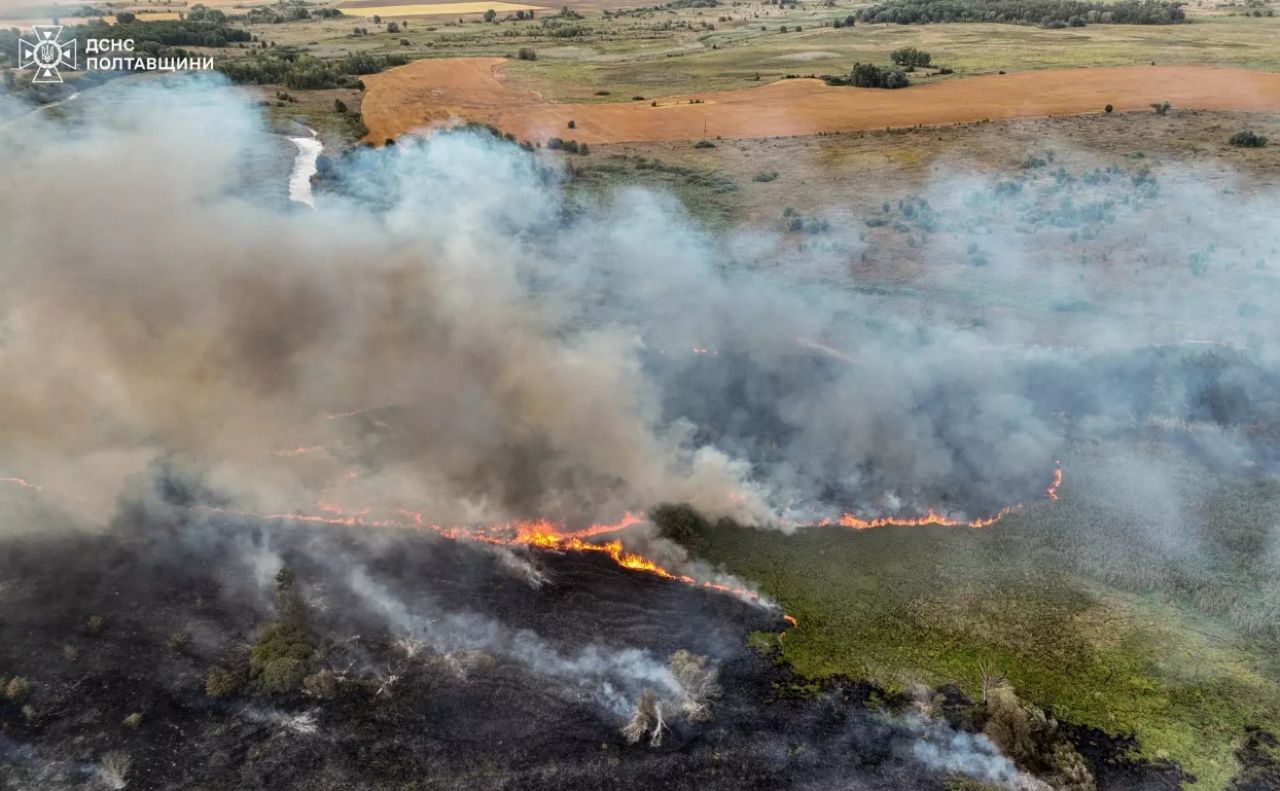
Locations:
(934, 518)
(299, 451)
(1052, 491)
(23, 482)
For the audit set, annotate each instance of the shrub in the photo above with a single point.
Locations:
(704, 144)
(322, 684)
(763, 176)
(1247, 139)
(647, 720)
(572, 125)
(221, 683)
(95, 624)
(1161, 108)
(179, 640)
(490, 15)
(282, 674)
(134, 720)
(16, 689)
(1108, 109)
(526, 53)
(699, 684)
(114, 770)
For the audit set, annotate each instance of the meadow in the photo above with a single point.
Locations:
(1060, 598)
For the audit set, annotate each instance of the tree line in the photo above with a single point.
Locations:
(1049, 13)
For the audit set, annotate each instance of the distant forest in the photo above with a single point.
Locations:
(1048, 13)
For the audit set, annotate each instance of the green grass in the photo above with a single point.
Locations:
(745, 51)
(931, 605)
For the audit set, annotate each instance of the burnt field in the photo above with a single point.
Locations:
(127, 623)
(450, 666)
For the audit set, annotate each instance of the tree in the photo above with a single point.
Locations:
(1161, 108)
(126, 17)
(910, 56)
(526, 53)
(392, 27)
(490, 15)
(572, 125)
(339, 106)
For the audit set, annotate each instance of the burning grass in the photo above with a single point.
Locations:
(1102, 637)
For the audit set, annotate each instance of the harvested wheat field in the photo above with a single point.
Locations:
(433, 91)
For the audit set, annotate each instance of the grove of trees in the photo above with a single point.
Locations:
(1049, 13)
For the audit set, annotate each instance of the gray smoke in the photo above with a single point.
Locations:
(502, 351)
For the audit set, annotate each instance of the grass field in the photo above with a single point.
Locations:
(1040, 598)
(744, 51)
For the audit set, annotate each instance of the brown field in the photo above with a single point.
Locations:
(433, 91)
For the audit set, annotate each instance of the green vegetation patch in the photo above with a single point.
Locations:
(1130, 656)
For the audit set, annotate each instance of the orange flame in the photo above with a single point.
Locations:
(299, 451)
(23, 482)
(935, 518)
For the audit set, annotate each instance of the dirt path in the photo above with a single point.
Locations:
(431, 91)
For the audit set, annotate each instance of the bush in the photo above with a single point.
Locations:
(1247, 139)
(763, 176)
(704, 144)
(134, 720)
(1161, 108)
(1108, 109)
(221, 683)
(572, 125)
(282, 674)
(526, 53)
(95, 624)
(699, 684)
(323, 685)
(179, 640)
(16, 689)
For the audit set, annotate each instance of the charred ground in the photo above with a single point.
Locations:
(125, 623)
